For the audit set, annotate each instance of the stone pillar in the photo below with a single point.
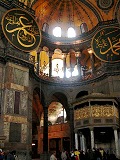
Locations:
(72, 137)
(45, 154)
(92, 138)
(76, 141)
(83, 143)
(119, 141)
(50, 64)
(61, 144)
(64, 64)
(77, 55)
(92, 61)
(38, 61)
(116, 142)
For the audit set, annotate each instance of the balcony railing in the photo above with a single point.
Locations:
(104, 69)
(11, 53)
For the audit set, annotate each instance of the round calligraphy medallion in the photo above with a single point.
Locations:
(106, 44)
(21, 30)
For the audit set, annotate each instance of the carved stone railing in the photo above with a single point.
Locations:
(11, 53)
(104, 69)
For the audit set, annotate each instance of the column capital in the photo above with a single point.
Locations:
(115, 127)
(50, 54)
(64, 55)
(79, 132)
(77, 54)
(76, 131)
(39, 50)
(90, 51)
(91, 128)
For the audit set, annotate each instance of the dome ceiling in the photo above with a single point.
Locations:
(72, 13)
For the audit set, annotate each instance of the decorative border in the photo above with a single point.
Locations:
(105, 4)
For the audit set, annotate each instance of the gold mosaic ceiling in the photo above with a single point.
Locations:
(72, 13)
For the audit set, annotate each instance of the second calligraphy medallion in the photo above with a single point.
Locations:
(106, 44)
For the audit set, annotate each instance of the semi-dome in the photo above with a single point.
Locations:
(79, 14)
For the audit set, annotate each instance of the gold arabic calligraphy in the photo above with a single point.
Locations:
(26, 31)
(106, 45)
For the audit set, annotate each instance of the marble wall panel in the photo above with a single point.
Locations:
(24, 103)
(24, 133)
(20, 77)
(9, 101)
(9, 74)
(6, 130)
(1, 74)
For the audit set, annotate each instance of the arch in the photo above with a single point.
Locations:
(83, 28)
(71, 32)
(45, 27)
(57, 32)
(61, 97)
(81, 94)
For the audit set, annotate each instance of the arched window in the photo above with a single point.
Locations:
(83, 28)
(71, 32)
(45, 27)
(57, 32)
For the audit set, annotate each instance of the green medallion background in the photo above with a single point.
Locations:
(106, 44)
(21, 30)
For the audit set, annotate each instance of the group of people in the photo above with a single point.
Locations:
(95, 154)
(8, 155)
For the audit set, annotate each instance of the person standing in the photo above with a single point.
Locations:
(64, 155)
(11, 156)
(53, 156)
(77, 154)
(1, 154)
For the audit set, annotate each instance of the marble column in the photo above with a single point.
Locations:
(76, 140)
(92, 61)
(119, 141)
(72, 136)
(83, 143)
(38, 61)
(45, 155)
(50, 64)
(92, 138)
(64, 64)
(77, 55)
(61, 144)
(45, 130)
(116, 142)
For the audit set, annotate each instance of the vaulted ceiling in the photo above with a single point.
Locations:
(66, 13)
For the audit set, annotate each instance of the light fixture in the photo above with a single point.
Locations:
(33, 144)
(102, 132)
